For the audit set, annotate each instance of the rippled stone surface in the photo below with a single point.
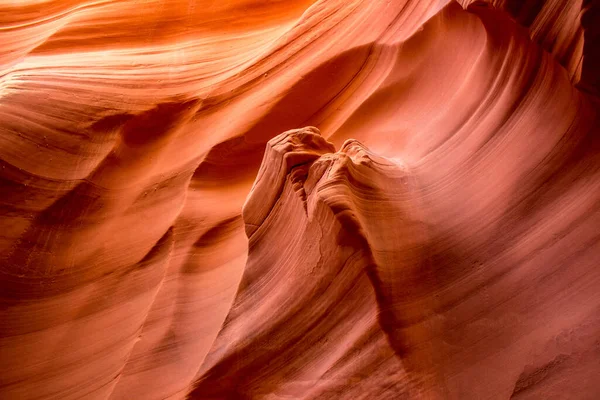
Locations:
(432, 232)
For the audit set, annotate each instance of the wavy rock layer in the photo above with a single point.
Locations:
(371, 295)
(456, 258)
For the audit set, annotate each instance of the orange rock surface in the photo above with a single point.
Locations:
(427, 226)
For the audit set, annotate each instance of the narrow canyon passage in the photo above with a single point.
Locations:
(302, 199)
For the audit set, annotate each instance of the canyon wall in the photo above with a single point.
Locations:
(365, 199)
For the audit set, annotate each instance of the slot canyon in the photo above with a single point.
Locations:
(299, 199)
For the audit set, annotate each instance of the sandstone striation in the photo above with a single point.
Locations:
(449, 249)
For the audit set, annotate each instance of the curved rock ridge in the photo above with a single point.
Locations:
(449, 249)
(305, 320)
(367, 297)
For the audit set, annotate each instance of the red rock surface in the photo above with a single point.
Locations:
(437, 235)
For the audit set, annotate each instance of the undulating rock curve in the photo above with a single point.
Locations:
(448, 249)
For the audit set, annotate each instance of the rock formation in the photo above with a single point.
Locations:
(449, 249)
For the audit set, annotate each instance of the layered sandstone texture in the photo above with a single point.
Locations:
(299, 199)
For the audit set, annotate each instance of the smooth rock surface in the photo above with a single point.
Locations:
(426, 226)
